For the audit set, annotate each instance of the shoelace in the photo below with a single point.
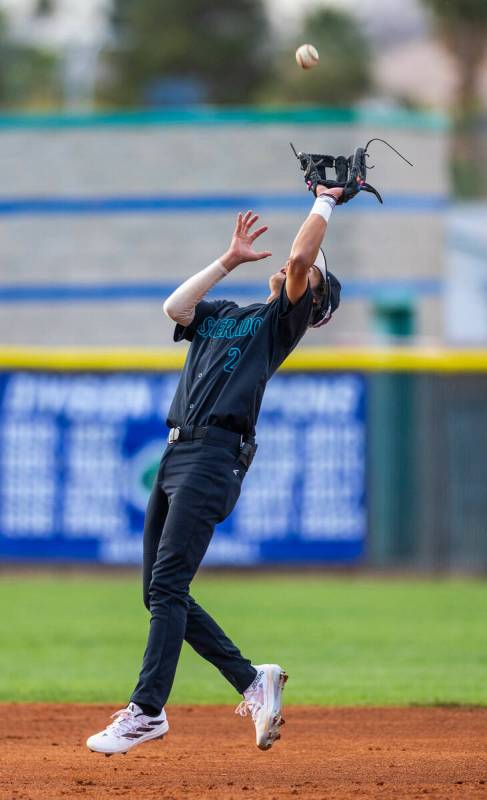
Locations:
(248, 705)
(124, 720)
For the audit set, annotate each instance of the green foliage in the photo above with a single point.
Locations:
(343, 74)
(44, 8)
(219, 43)
(462, 26)
(459, 12)
(343, 641)
(28, 76)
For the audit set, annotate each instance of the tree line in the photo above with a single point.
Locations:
(220, 52)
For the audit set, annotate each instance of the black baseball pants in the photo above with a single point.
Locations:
(197, 486)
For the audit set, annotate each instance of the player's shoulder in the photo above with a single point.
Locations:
(214, 308)
(228, 308)
(252, 309)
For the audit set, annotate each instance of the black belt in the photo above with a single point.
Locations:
(243, 443)
(188, 433)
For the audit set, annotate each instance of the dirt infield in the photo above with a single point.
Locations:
(210, 753)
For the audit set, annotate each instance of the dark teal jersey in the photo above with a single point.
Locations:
(234, 351)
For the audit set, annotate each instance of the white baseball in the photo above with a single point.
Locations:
(307, 56)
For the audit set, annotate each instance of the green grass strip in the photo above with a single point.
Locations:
(343, 641)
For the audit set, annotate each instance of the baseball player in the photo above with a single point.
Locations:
(233, 353)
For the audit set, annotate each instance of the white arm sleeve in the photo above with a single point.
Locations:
(180, 305)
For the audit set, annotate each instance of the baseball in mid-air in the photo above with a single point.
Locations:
(307, 56)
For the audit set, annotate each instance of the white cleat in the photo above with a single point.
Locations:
(131, 727)
(263, 700)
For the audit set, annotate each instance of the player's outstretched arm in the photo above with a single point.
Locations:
(181, 304)
(308, 241)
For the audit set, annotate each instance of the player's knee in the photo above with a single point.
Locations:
(162, 589)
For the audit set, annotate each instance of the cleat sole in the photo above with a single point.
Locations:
(267, 726)
(278, 720)
(124, 752)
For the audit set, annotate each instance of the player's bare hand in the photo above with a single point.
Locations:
(241, 248)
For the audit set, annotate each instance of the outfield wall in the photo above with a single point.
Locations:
(102, 215)
(366, 457)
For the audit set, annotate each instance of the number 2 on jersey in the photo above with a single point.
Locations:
(234, 357)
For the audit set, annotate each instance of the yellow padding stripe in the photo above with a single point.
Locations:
(98, 359)
(390, 359)
(305, 358)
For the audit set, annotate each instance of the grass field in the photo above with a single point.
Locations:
(343, 641)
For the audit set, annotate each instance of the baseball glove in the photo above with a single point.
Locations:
(351, 172)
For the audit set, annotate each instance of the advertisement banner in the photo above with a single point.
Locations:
(79, 452)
